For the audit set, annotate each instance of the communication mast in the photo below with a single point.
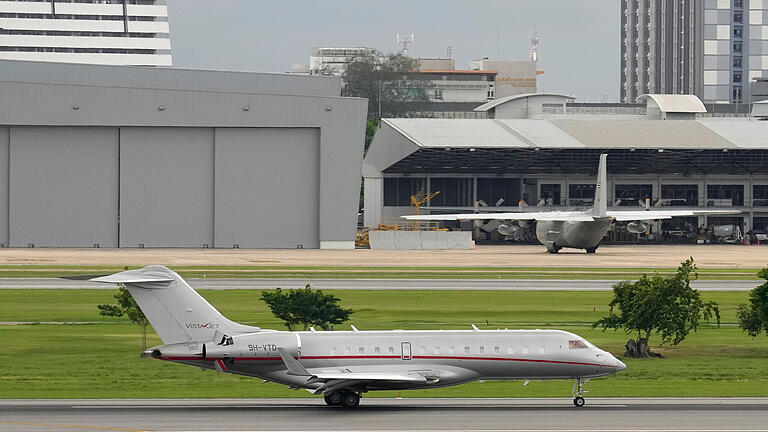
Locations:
(404, 42)
(534, 47)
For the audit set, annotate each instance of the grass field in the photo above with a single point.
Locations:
(100, 360)
(338, 272)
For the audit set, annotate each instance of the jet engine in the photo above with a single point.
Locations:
(638, 227)
(508, 229)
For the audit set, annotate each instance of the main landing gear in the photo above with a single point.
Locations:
(555, 249)
(591, 250)
(578, 391)
(343, 398)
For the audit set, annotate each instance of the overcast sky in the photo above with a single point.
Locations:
(579, 39)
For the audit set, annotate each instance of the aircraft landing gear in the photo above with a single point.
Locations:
(350, 399)
(333, 398)
(591, 250)
(555, 249)
(578, 391)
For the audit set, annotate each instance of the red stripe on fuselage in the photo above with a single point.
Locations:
(384, 357)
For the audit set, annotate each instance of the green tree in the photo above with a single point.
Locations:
(302, 308)
(390, 82)
(126, 306)
(753, 317)
(666, 305)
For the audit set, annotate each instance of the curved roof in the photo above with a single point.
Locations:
(494, 103)
(679, 103)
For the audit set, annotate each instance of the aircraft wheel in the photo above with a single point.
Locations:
(592, 250)
(350, 399)
(552, 251)
(333, 398)
(578, 401)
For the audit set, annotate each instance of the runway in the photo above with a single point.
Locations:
(386, 284)
(611, 414)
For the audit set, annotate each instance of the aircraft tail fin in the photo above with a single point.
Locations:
(600, 206)
(175, 310)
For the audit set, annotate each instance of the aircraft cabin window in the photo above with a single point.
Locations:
(452, 350)
(361, 350)
(525, 349)
(481, 349)
(510, 349)
(541, 349)
(576, 344)
(437, 349)
(496, 349)
(466, 350)
(377, 350)
(347, 350)
(391, 350)
(333, 351)
(422, 350)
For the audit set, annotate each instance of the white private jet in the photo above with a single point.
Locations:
(576, 229)
(342, 365)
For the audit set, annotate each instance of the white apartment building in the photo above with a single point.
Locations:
(109, 32)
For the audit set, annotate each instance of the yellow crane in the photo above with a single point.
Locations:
(419, 200)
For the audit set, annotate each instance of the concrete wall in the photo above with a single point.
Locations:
(166, 187)
(4, 176)
(267, 187)
(63, 186)
(420, 240)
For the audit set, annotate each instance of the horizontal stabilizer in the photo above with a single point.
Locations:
(129, 277)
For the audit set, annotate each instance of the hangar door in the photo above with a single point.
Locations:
(266, 187)
(166, 187)
(63, 186)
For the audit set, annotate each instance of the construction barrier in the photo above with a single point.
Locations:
(416, 240)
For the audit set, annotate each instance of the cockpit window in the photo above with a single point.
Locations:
(575, 344)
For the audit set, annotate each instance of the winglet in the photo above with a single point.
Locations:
(600, 206)
(293, 365)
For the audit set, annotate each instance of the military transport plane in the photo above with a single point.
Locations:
(342, 365)
(576, 229)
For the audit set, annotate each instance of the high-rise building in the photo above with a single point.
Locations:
(111, 32)
(710, 48)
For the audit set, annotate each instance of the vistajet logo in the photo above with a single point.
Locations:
(208, 325)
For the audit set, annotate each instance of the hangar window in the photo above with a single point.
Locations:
(760, 195)
(453, 191)
(581, 194)
(725, 195)
(630, 195)
(577, 344)
(398, 191)
(680, 195)
(491, 190)
(550, 193)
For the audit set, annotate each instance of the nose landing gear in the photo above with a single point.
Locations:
(578, 391)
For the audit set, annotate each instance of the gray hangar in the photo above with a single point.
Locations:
(105, 156)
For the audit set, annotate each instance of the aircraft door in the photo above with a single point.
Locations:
(405, 350)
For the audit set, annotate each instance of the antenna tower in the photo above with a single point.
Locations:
(535, 47)
(404, 42)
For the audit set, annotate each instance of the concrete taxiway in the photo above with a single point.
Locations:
(611, 414)
(385, 284)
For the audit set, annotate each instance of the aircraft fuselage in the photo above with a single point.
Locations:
(577, 234)
(437, 358)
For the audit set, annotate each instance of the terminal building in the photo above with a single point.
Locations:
(114, 156)
(543, 149)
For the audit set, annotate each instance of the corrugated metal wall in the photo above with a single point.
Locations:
(63, 186)
(267, 187)
(160, 187)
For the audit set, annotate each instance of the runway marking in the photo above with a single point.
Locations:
(57, 425)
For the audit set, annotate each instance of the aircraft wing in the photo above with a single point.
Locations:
(633, 215)
(571, 216)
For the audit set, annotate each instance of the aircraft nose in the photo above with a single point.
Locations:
(620, 366)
